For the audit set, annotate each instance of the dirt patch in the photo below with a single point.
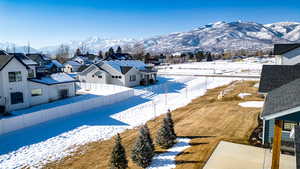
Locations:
(206, 120)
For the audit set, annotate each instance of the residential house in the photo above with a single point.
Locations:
(72, 66)
(45, 64)
(21, 86)
(287, 54)
(283, 104)
(280, 85)
(127, 73)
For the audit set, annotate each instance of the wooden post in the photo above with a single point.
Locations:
(277, 144)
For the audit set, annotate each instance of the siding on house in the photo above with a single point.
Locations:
(291, 58)
(269, 127)
(133, 72)
(10, 87)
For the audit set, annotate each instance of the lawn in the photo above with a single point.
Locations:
(206, 120)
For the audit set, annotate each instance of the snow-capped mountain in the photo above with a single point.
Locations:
(221, 36)
(91, 44)
(213, 37)
(11, 47)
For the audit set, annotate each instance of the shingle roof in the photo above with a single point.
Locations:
(125, 69)
(4, 59)
(280, 49)
(283, 98)
(23, 58)
(274, 76)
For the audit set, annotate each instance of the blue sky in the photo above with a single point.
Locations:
(49, 22)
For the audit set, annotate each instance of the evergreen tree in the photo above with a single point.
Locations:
(111, 51)
(100, 55)
(119, 50)
(78, 52)
(118, 156)
(171, 124)
(146, 133)
(209, 57)
(165, 139)
(142, 151)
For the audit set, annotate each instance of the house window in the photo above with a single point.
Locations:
(120, 77)
(112, 76)
(288, 126)
(99, 77)
(16, 97)
(15, 76)
(36, 92)
(93, 76)
(30, 73)
(132, 78)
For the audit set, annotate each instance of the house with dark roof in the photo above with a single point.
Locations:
(281, 113)
(274, 76)
(127, 73)
(20, 87)
(287, 54)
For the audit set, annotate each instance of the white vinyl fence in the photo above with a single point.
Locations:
(26, 120)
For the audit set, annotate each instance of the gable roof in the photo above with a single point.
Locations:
(274, 76)
(125, 69)
(23, 58)
(88, 69)
(4, 59)
(73, 63)
(282, 99)
(280, 49)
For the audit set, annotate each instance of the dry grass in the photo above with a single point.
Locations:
(206, 120)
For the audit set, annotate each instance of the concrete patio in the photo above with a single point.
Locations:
(237, 156)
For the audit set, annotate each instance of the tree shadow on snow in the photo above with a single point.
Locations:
(41, 132)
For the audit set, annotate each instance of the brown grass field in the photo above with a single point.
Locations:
(206, 120)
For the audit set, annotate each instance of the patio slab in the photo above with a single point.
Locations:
(237, 156)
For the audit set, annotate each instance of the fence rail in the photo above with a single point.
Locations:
(29, 119)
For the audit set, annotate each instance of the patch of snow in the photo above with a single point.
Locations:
(254, 104)
(242, 95)
(167, 160)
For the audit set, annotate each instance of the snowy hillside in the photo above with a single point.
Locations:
(221, 36)
(213, 37)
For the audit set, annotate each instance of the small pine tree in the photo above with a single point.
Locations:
(146, 133)
(165, 139)
(119, 50)
(142, 151)
(171, 124)
(118, 156)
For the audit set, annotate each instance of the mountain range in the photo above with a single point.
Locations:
(215, 37)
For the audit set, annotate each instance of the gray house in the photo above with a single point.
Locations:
(287, 54)
(127, 73)
(280, 84)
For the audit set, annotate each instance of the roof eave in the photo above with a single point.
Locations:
(280, 113)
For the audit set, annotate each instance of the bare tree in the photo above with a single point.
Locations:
(62, 53)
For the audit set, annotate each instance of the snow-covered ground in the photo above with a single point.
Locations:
(53, 140)
(167, 160)
(255, 104)
(248, 67)
(242, 95)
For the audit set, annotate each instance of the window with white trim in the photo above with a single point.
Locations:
(132, 78)
(36, 92)
(15, 76)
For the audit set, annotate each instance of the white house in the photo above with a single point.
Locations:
(20, 87)
(127, 73)
(287, 54)
(72, 66)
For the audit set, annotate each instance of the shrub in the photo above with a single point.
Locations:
(118, 156)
